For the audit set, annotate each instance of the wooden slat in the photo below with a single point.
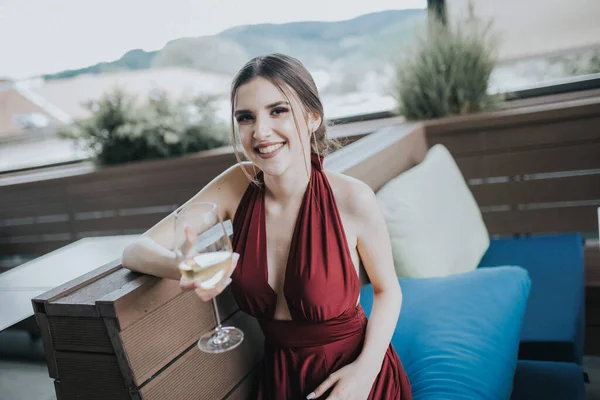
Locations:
(551, 98)
(133, 301)
(17, 210)
(546, 134)
(41, 302)
(140, 180)
(31, 193)
(61, 228)
(208, 376)
(544, 113)
(565, 219)
(569, 158)
(503, 138)
(32, 248)
(591, 254)
(90, 292)
(85, 334)
(143, 173)
(573, 188)
(112, 329)
(181, 322)
(129, 199)
(42, 322)
(90, 376)
(117, 223)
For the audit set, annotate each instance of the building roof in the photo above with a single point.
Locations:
(15, 107)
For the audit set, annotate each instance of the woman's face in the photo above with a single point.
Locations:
(266, 125)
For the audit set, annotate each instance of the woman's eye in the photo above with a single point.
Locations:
(278, 111)
(244, 118)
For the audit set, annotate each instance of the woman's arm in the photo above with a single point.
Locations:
(148, 257)
(375, 251)
(153, 253)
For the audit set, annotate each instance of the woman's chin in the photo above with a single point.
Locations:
(272, 168)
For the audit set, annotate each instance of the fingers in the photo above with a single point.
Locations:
(184, 284)
(190, 239)
(323, 387)
(208, 294)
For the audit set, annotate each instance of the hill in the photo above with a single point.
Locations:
(350, 47)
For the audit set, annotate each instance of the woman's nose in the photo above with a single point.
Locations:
(262, 128)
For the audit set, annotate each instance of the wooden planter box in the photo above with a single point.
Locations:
(116, 334)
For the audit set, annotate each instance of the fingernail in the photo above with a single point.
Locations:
(235, 257)
(227, 282)
(311, 396)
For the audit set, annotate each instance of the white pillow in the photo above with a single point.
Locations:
(435, 225)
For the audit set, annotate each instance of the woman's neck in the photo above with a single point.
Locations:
(288, 187)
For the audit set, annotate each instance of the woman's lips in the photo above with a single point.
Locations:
(272, 154)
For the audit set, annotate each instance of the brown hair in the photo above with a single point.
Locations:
(281, 70)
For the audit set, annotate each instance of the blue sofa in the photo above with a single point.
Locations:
(512, 328)
(552, 337)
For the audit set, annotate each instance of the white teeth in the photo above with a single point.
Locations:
(270, 149)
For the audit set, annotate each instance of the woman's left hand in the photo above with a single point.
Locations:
(352, 382)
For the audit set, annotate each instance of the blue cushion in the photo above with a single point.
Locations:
(458, 336)
(548, 380)
(554, 324)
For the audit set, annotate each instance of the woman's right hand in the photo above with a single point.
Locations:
(208, 294)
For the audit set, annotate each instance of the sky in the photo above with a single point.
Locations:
(46, 36)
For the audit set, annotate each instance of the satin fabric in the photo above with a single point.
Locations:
(321, 287)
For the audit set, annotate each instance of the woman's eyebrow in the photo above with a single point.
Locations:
(277, 103)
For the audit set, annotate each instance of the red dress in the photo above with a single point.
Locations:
(321, 286)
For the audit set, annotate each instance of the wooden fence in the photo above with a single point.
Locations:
(45, 210)
(535, 170)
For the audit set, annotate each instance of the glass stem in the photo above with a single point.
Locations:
(216, 315)
(219, 337)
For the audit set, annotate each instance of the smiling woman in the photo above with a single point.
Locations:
(280, 86)
(299, 234)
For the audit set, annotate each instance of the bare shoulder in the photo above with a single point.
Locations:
(240, 179)
(353, 196)
(235, 181)
(227, 188)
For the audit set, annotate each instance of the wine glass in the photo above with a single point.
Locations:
(204, 255)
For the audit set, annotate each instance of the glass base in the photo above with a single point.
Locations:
(228, 338)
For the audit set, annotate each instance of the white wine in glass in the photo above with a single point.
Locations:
(204, 254)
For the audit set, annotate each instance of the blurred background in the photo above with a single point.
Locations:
(61, 59)
(103, 103)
